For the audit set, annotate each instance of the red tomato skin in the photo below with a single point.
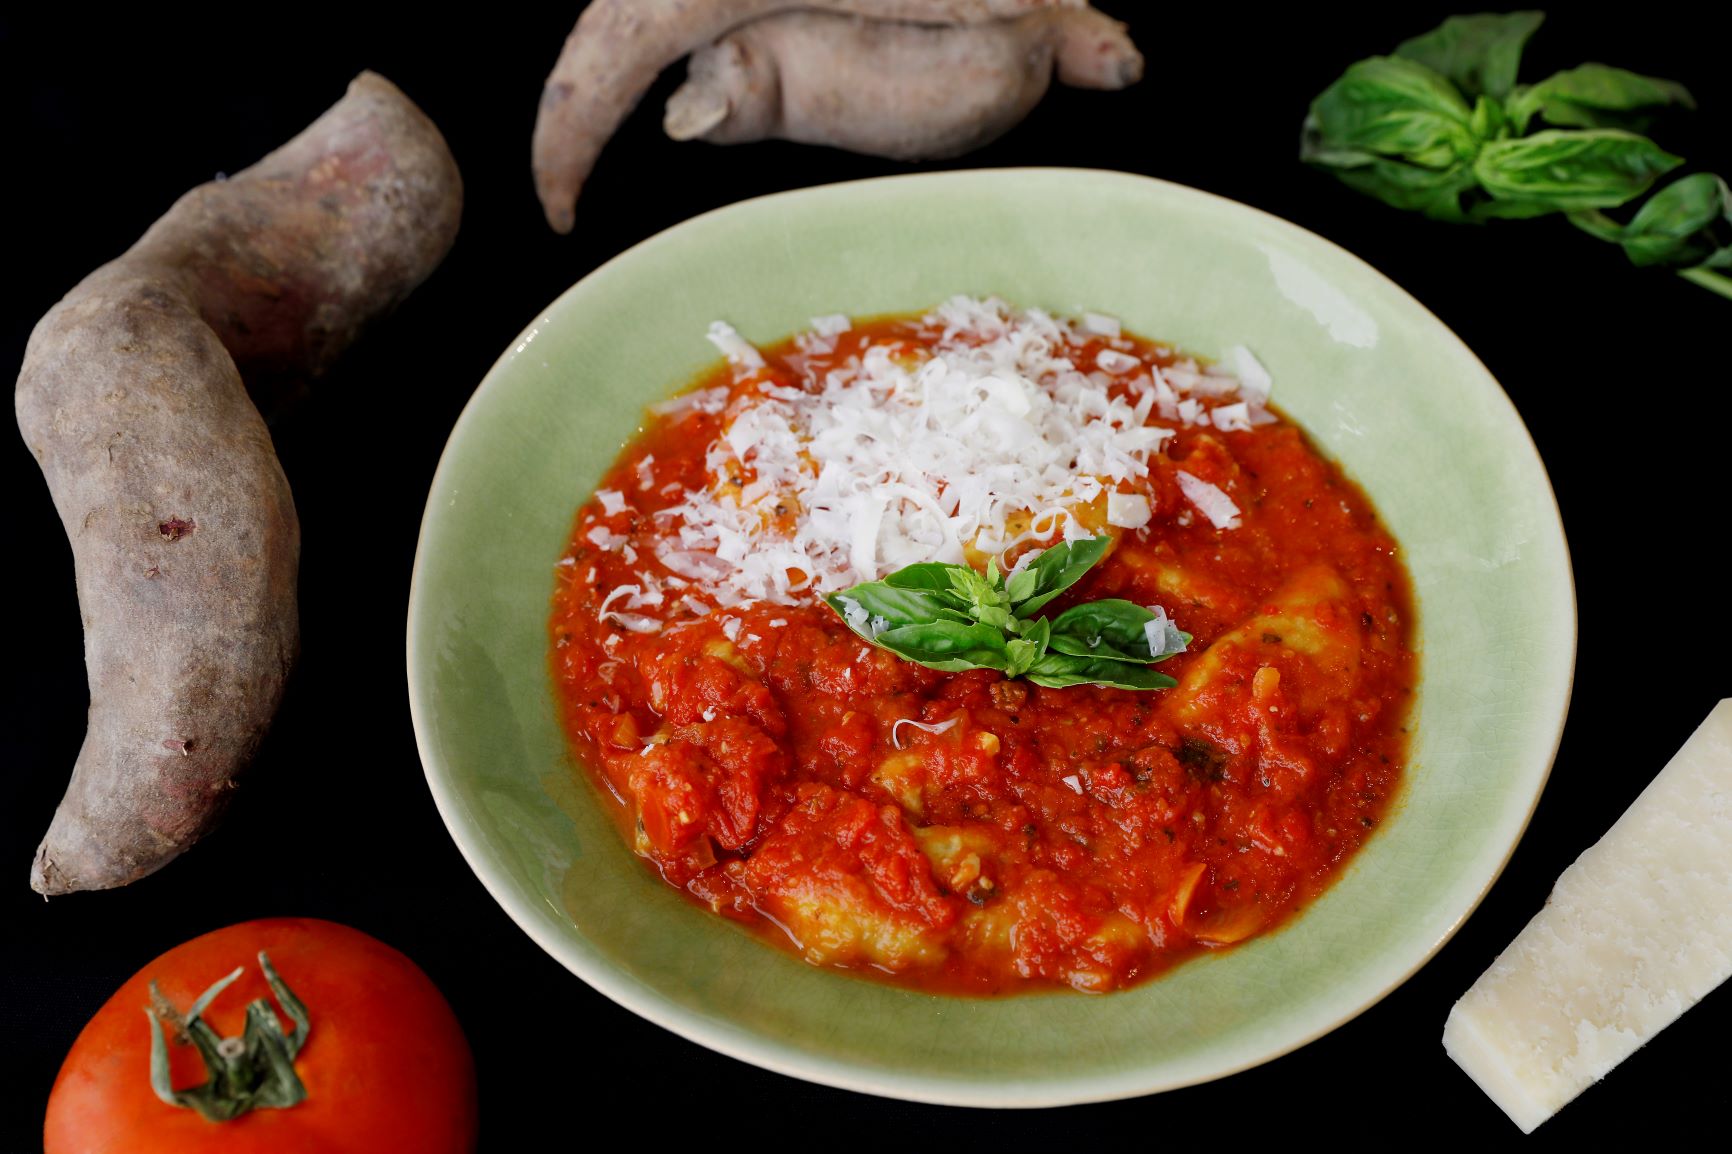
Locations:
(386, 1066)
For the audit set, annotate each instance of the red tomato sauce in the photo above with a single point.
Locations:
(1083, 836)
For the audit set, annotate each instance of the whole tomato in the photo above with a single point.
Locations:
(352, 1033)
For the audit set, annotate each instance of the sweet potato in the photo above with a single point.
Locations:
(619, 47)
(887, 88)
(184, 536)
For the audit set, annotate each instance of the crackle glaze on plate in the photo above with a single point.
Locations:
(1379, 383)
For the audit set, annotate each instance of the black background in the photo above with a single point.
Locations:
(1620, 373)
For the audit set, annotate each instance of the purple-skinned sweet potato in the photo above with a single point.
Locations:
(619, 47)
(183, 531)
(892, 88)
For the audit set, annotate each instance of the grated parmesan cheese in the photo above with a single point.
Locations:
(740, 352)
(1210, 501)
(1232, 418)
(1255, 383)
(636, 622)
(1128, 510)
(1100, 325)
(900, 456)
(605, 538)
(712, 400)
(1164, 637)
(1113, 361)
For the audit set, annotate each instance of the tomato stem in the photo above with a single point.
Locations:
(255, 1070)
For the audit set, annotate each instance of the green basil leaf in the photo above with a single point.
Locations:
(1110, 629)
(932, 576)
(984, 598)
(1058, 569)
(1479, 54)
(951, 618)
(887, 607)
(1559, 171)
(1405, 186)
(973, 589)
(997, 617)
(1024, 651)
(1057, 670)
(1672, 227)
(1489, 121)
(1023, 585)
(948, 645)
(1392, 107)
(1596, 96)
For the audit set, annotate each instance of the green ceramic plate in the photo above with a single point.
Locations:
(1379, 382)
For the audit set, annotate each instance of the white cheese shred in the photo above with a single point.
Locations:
(1255, 383)
(1163, 636)
(712, 400)
(1128, 510)
(1100, 325)
(1210, 501)
(739, 351)
(933, 727)
(1113, 361)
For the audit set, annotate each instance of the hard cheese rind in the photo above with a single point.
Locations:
(1637, 931)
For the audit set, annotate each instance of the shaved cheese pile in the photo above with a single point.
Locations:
(900, 456)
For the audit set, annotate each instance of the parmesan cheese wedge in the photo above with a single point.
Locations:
(1637, 931)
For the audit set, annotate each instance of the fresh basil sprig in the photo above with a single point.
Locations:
(1478, 54)
(1443, 128)
(950, 617)
(1690, 220)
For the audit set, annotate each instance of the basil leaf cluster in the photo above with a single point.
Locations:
(1443, 128)
(952, 618)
